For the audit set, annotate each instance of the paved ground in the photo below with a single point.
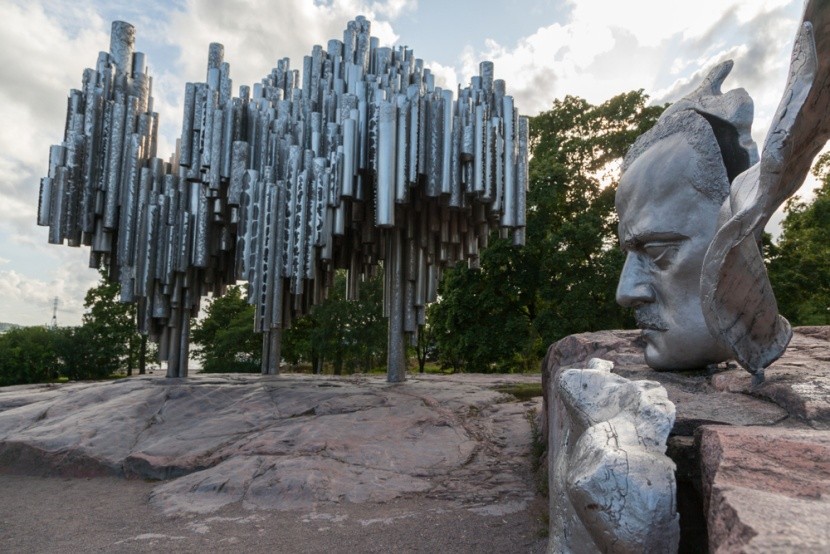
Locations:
(48, 514)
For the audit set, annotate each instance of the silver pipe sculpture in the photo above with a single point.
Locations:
(362, 161)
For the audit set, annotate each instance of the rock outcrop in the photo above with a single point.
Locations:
(752, 460)
(279, 442)
(766, 489)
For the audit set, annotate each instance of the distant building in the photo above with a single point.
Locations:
(5, 327)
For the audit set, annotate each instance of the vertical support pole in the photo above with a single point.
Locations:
(179, 343)
(275, 351)
(271, 351)
(173, 352)
(266, 351)
(184, 342)
(396, 354)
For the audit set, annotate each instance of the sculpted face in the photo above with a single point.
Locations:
(666, 226)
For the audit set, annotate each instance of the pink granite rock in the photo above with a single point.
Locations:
(766, 489)
(799, 381)
(279, 442)
(696, 400)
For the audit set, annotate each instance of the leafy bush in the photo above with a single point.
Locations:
(29, 355)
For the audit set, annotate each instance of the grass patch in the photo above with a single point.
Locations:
(538, 449)
(522, 391)
(538, 464)
(430, 367)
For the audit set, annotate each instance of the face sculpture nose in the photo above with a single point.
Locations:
(634, 288)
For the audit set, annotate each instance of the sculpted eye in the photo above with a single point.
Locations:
(661, 253)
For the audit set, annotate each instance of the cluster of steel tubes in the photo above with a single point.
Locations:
(361, 161)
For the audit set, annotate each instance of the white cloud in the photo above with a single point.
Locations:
(605, 48)
(392, 9)
(28, 300)
(445, 76)
(654, 21)
(41, 61)
(44, 48)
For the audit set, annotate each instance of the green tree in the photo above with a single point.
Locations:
(107, 342)
(28, 355)
(366, 327)
(563, 280)
(799, 264)
(348, 334)
(225, 340)
(476, 325)
(81, 355)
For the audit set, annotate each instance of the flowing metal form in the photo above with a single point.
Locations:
(612, 486)
(738, 301)
(359, 161)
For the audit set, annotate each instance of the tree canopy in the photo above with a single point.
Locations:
(799, 264)
(106, 343)
(348, 334)
(225, 340)
(29, 355)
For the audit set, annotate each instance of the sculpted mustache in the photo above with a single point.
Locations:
(650, 320)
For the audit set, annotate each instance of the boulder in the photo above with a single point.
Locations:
(696, 399)
(281, 443)
(799, 381)
(766, 489)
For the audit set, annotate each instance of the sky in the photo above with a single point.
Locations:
(544, 49)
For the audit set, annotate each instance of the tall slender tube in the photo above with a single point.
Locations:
(386, 174)
(396, 353)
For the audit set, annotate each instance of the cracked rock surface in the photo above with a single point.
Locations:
(767, 489)
(293, 442)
